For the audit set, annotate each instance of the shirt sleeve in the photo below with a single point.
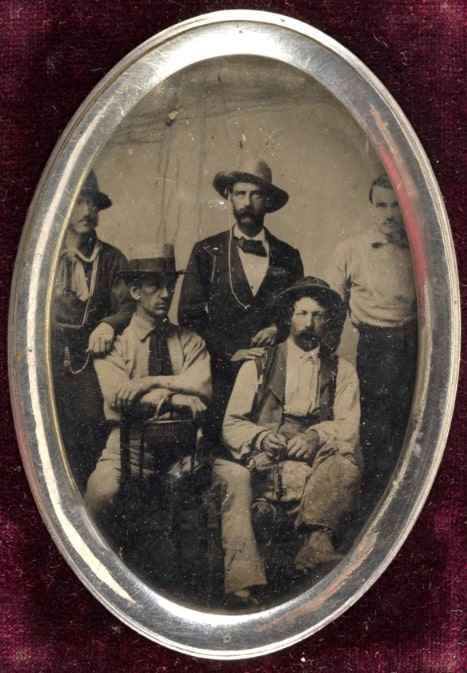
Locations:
(112, 374)
(239, 433)
(338, 275)
(120, 301)
(345, 425)
(194, 377)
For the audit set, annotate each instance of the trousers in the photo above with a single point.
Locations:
(329, 491)
(386, 367)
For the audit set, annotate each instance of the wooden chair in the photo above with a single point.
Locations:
(170, 536)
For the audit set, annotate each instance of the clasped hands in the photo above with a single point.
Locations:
(141, 391)
(302, 446)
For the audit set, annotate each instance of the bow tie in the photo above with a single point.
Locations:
(251, 247)
(398, 242)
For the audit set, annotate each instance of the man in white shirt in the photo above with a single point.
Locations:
(291, 426)
(373, 273)
(153, 365)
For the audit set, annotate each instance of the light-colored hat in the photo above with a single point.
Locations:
(151, 261)
(257, 172)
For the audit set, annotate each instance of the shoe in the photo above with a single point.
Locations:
(316, 551)
(243, 600)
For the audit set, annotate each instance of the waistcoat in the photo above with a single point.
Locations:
(268, 407)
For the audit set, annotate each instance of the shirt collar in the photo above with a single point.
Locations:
(259, 237)
(74, 252)
(141, 326)
(377, 239)
(375, 236)
(298, 354)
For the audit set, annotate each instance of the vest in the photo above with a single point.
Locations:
(268, 407)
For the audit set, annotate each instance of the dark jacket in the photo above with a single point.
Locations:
(226, 319)
(109, 301)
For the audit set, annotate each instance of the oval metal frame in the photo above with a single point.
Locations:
(214, 635)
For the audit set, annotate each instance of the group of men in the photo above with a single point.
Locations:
(253, 359)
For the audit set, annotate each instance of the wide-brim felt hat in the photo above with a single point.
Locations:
(90, 190)
(160, 261)
(258, 173)
(312, 287)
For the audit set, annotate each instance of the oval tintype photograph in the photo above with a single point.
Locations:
(234, 335)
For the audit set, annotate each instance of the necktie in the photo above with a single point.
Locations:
(159, 358)
(251, 247)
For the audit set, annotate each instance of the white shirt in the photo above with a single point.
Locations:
(302, 381)
(130, 356)
(241, 435)
(375, 278)
(254, 266)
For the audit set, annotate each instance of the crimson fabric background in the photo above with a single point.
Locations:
(52, 54)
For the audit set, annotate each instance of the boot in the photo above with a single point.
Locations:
(317, 549)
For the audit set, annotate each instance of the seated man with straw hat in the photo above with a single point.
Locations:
(153, 364)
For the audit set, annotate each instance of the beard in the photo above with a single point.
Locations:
(307, 341)
(83, 226)
(247, 217)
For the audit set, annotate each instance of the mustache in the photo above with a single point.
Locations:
(87, 220)
(308, 334)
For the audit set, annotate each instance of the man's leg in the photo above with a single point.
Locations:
(103, 486)
(82, 423)
(243, 565)
(331, 493)
(386, 367)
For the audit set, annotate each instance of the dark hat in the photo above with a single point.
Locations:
(315, 288)
(160, 261)
(257, 172)
(90, 190)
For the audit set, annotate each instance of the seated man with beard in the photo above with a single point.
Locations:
(291, 426)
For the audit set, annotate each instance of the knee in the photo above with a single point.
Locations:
(230, 475)
(347, 470)
(100, 493)
(233, 480)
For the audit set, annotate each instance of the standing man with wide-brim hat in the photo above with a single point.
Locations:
(233, 278)
(91, 305)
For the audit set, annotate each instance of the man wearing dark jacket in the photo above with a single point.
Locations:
(91, 305)
(233, 278)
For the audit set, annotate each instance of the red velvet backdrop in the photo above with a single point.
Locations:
(52, 54)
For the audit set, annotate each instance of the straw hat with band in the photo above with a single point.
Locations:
(160, 262)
